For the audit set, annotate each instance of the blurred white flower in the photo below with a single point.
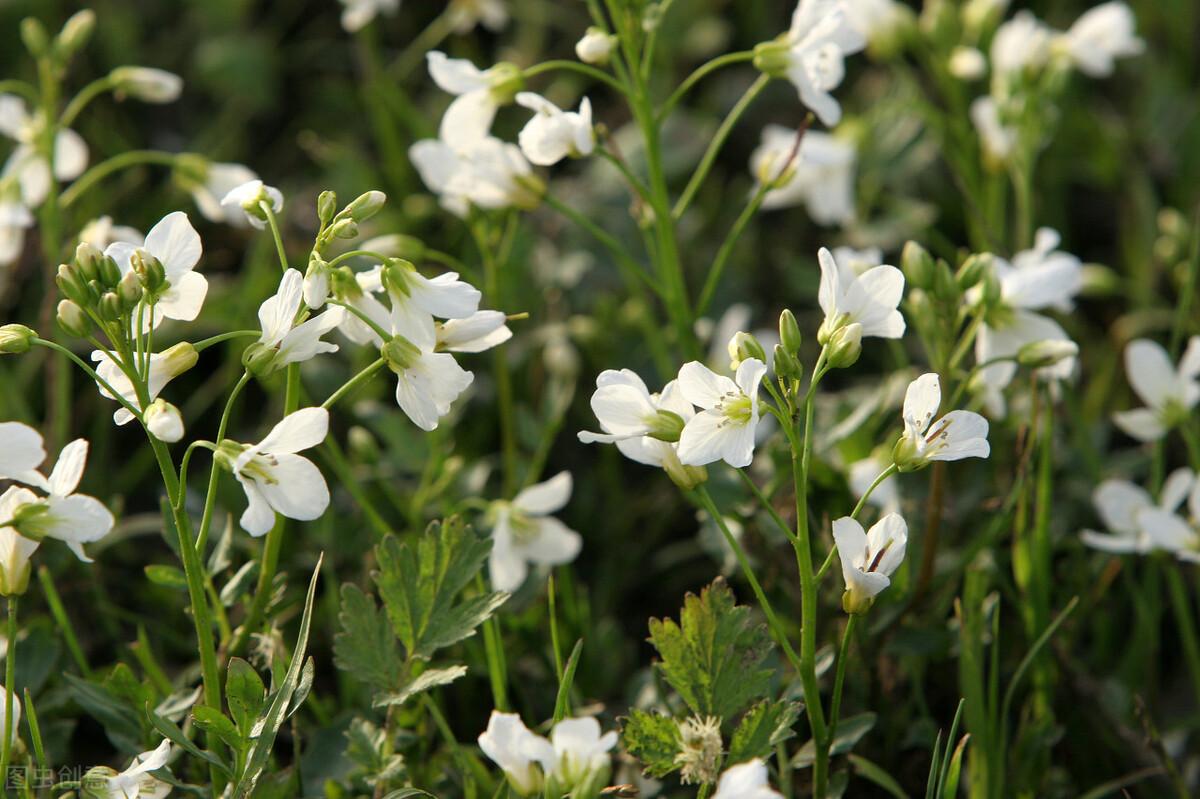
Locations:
(479, 93)
(15, 219)
(1021, 42)
(871, 299)
(218, 179)
(357, 13)
(489, 173)
(249, 196)
(294, 343)
(967, 63)
(724, 429)
(553, 134)
(147, 84)
(821, 175)
(877, 20)
(862, 474)
(136, 782)
(274, 477)
(997, 139)
(1170, 392)
(175, 244)
(524, 756)
(101, 232)
(480, 331)
(868, 558)
(524, 532)
(746, 781)
(1138, 525)
(857, 261)
(957, 435)
(820, 37)
(628, 413)
(466, 14)
(25, 164)
(581, 752)
(1099, 37)
(595, 47)
(165, 366)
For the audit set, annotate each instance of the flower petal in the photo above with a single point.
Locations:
(297, 431)
(703, 387)
(175, 243)
(299, 490)
(545, 497)
(553, 544)
(68, 470)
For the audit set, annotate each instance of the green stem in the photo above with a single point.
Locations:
(699, 74)
(353, 383)
(573, 66)
(85, 96)
(91, 373)
(765, 502)
(10, 674)
(718, 265)
(626, 262)
(839, 679)
(210, 496)
(553, 611)
(718, 141)
(366, 320)
(203, 344)
(862, 502)
(63, 620)
(273, 223)
(706, 501)
(422, 43)
(1185, 622)
(115, 164)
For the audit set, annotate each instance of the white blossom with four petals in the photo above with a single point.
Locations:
(293, 342)
(525, 532)
(820, 176)
(820, 37)
(628, 412)
(176, 245)
(1170, 392)
(553, 134)
(1099, 37)
(25, 163)
(871, 299)
(868, 557)
(954, 436)
(725, 426)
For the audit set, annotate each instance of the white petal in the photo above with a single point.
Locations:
(297, 431)
(468, 119)
(1118, 502)
(277, 312)
(1115, 544)
(70, 155)
(829, 292)
(455, 75)
(703, 387)
(545, 497)
(891, 528)
(705, 439)
(258, 517)
(506, 568)
(1176, 488)
(304, 342)
(21, 452)
(78, 519)
(921, 402)
(622, 410)
(553, 544)
(69, 469)
(184, 299)
(1165, 530)
(176, 243)
(964, 436)
(299, 491)
(1143, 424)
(444, 296)
(1150, 372)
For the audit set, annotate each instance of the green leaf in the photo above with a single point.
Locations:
(764, 725)
(430, 678)
(563, 702)
(214, 721)
(119, 720)
(420, 587)
(367, 747)
(653, 739)
(874, 773)
(244, 692)
(267, 726)
(307, 675)
(166, 576)
(950, 786)
(713, 657)
(849, 732)
(366, 647)
(176, 736)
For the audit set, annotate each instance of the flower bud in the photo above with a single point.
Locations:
(366, 205)
(744, 346)
(179, 359)
(991, 288)
(147, 84)
(789, 332)
(1048, 352)
(343, 229)
(845, 346)
(595, 47)
(967, 63)
(394, 277)
(14, 580)
(130, 291)
(326, 206)
(666, 426)
(149, 270)
(772, 58)
(343, 285)
(16, 339)
(944, 286)
(164, 421)
(110, 273)
(75, 34)
(918, 266)
(73, 321)
(33, 34)
(259, 359)
(784, 364)
(109, 308)
(399, 353)
(87, 261)
(974, 270)
(686, 477)
(316, 282)
(71, 283)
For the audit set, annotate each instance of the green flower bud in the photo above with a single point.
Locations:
(344, 229)
(917, 265)
(686, 477)
(75, 34)
(259, 359)
(326, 206)
(944, 286)
(395, 276)
(33, 34)
(399, 353)
(87, 260)
(109, 308)
(744, 346)
(974, 270)
(149, 270)
(71, 283)
(845, 346)
(343, 285)
(73, 321)
(130, 291)
(179, 358)
(366, 205)
(789, 332)
(784, 364)
(991, 288)
(146, 84)
(16, 339)
(666, 426)
(772, 58)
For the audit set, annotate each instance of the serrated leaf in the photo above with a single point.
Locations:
(653, 739)
(430, 678)
(368, 747)
(366, 647)
(764, 725)
(849, 732)
(420, 587)
(244, 693)
(214, 721)
(713, 657)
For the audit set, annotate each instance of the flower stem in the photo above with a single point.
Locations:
(85, 96)
(353, 383)
(203, 344)
(10, 674)
(839, 678)
(115, 164)
(275, 234)
(718, 265)
(573, 66)
(699, 74)
(1185, 622)
(210, 497)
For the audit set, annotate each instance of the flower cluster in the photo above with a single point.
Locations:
(575, 758)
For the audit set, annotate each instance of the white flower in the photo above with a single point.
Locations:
(876, 19)
(580, 751)
(868, 558)
(1021, 42)
(857, 261)
(821, 175)
(997, 139)
(1137, 525)
(595, 47)
(487, 173)
(746, 781)
(147, 84)
(218, 180)
(176, 245)
(480, 331)
(967, 63)
(275, 478)
(164, 421)
(357, 13)
(524, 756)
(1038, 278)
(16, 714)
(1170, 392)
(870, 299)
(444, 296)
(294, 343)
(1099, 37)
(861, 474)
(957, 435)
(466, 14)
(479, 93)
(101, 232)
(524, 532)
(553, 134)
(15, 549)
(724, 429)
(820, 37)
(21, 453)
(628, 412)
(165, 366)
(25, 164)
(136, 782)
(15, 219)
(427, 381)
(248, 197)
